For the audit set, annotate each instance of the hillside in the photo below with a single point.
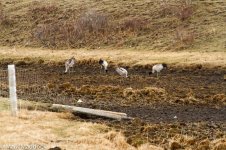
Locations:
(147, 24)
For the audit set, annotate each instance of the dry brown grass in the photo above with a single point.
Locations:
(115, 23)
(188, 142)
(51, 129)
(153, 93)
(126, 56)
(219, 98)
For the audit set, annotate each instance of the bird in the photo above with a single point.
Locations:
(157, 68)
(103, 64)
(122, 72)
(69, 64)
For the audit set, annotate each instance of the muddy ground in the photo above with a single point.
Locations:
(195, 95)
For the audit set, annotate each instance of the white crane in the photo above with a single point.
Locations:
(69, 64)
(157, 68)
(122, 72)
(103, 64)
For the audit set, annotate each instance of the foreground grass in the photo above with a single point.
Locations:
(49, 129)
(54, 129)
(125, 56)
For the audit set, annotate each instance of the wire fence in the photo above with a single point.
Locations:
(4, 89)
(31, 86)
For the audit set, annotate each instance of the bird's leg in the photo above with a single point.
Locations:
(124, 81)
(120, 81)
(157, 75)
(100, 68)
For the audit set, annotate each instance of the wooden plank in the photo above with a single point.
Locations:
(96, 112)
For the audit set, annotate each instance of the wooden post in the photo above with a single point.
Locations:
(12, 89)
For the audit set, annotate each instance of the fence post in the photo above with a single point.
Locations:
(12, 89)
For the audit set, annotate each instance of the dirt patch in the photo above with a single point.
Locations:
(188, 101)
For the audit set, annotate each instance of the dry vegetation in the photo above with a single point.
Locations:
(133, 57)
(156, 25)
(188, 35)
(63, 130)
(67, 131)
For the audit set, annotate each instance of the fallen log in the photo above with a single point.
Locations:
(96, 112)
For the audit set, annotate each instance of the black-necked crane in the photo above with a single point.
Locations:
(122, 72)
(158, 68)
(69, 64)
(103, 64)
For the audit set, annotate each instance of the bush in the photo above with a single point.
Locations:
(166, 8)
(92, 21)
(184, 10)
(184, 36)
(73, 33)
(134, 24)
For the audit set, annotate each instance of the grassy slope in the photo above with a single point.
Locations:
(207, 23)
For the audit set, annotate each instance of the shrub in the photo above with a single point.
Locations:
(72, 33)
(92, 21)
(166, 8)
(134, 24)
(184, 36)
(184, 10)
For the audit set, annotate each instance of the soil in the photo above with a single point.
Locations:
(192, 99)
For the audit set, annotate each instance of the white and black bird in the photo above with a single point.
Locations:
(157, 68)
(122, 71)
(69, 64)
(103, 64)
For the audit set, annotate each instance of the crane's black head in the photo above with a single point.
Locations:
(150, 72)
(71, 59)
(101, 61)
(164, 65)
(106, 71)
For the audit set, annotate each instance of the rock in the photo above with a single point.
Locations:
(55, 148)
